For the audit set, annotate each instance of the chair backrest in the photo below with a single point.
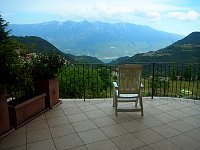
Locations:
(129, 79)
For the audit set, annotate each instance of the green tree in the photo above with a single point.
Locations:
(158, 84)
(8, 57)
(3, 32)
(104, 74)
(12, 68)
(187, 74)
(76, 80)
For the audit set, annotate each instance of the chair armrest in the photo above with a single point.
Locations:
(115, 85)
(142, 86)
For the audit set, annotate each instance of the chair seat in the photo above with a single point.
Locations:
(128, 96)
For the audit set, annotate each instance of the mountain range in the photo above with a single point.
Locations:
(99, 39)
(186, 50)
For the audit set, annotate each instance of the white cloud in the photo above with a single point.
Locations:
(154, 15)
(119, 10)
(187, 16)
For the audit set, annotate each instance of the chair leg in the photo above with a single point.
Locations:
(136, 102)
(113, 101)
(116, 105)
(141, 105)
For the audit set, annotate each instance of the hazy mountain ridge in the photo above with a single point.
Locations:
(99, 39)
(186, 50)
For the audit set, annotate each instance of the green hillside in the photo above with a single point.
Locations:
(87, 59)
(186, 50)
(38, 45)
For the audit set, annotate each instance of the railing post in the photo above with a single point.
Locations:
(84, 81)
(152, 93)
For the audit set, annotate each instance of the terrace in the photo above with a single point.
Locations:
(86, 120)
(168, 123)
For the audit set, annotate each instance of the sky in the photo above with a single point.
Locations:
(174, 16)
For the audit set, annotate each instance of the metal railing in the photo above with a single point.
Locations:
(159, 79)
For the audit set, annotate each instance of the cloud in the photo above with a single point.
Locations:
(186, 16)
(113, 10)
(153, 15)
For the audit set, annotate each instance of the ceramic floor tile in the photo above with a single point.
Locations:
(194, 134)
(77, 117)
(195, 107)
(13, 140)
(108, 110)
(57, 121)
(150, 121)
(37, 125)
(70, 111)
(102, 145)
(122, 117)
(79, 148)
(88, 108)
(68, 141)
(181, 126)
(41, 117)
(127, 142)
(68, 105)
(197, 116)
(92, 135)
(95, 114)
(192, 121)
(137, 115)
(38, 135)
(187, 103)
(164, 145)
(146, 105)
(152, 111)
(42, 145)
(103, 121)
(143, 148)
(114, 130)
(178, 114)
(176, 105)
(83, 103)
(148, 136)
(164, 117)
(166, 130)
(54, 113)
(165, 108)
(189, 111)
(185, 142)
(22, 147)
(104, 105)
(83, 125)
(20, 130)
(62, 130)
(133, 125)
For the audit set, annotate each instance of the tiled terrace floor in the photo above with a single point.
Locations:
(171, 124)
